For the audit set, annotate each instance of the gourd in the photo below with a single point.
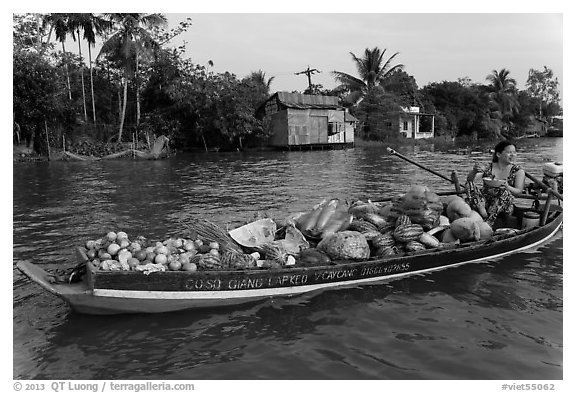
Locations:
(428, 240)
(235, 260)
(403, 220)
(383, 240)
(207, 261)
(414, 245)
(386, 251)
(375, 219)
(370, 235)
(313, 257)
(406, 233)
(362, 226)
(387, 227)
(275, 253)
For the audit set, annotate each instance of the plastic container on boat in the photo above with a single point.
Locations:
(553, 169)
(530, 220)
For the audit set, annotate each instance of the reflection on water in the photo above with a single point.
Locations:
(497, 320)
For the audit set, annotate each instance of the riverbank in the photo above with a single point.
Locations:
(95, 151)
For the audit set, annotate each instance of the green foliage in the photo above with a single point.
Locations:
(197, 108)
(372, 71)
(38, 95)
(404, 87)
(543, 86)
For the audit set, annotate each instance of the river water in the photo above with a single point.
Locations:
(498, 320)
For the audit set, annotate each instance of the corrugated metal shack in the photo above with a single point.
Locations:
(300, 121)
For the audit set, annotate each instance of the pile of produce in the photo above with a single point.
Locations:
(115, 251)
(331, 230)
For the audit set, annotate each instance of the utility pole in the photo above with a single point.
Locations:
(308, 73)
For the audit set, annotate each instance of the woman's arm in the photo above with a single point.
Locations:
(518, 187)
(474, 172)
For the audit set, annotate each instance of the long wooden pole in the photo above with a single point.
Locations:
(394, 152)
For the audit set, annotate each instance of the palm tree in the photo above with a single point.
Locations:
(259, 78)
(73, 25)
(92, 25)
(372, 70)
(59, 24)
(503, 93)
(131, 41)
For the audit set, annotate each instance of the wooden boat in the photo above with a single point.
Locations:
(106, 292)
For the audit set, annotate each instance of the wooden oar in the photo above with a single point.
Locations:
(394, 152)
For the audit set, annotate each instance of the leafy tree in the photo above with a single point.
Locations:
(466, 110)
(543, 86)
(404, 86)
(372, 71)
(131, 41)
(38, 99)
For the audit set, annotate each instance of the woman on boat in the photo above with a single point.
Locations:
(497, 197)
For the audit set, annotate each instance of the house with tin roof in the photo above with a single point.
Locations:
(301, 121)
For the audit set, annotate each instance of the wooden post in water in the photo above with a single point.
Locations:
(47, 139)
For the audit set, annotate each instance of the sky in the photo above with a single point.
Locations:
(433, 47)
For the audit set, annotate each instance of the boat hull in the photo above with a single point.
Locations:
(135, 292)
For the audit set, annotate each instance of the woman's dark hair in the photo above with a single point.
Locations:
(500, 148)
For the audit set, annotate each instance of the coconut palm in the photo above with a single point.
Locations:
(503, 93)
(91, 25)
(129, 43)
(259, 78)
(372, 70)
(59, 25)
